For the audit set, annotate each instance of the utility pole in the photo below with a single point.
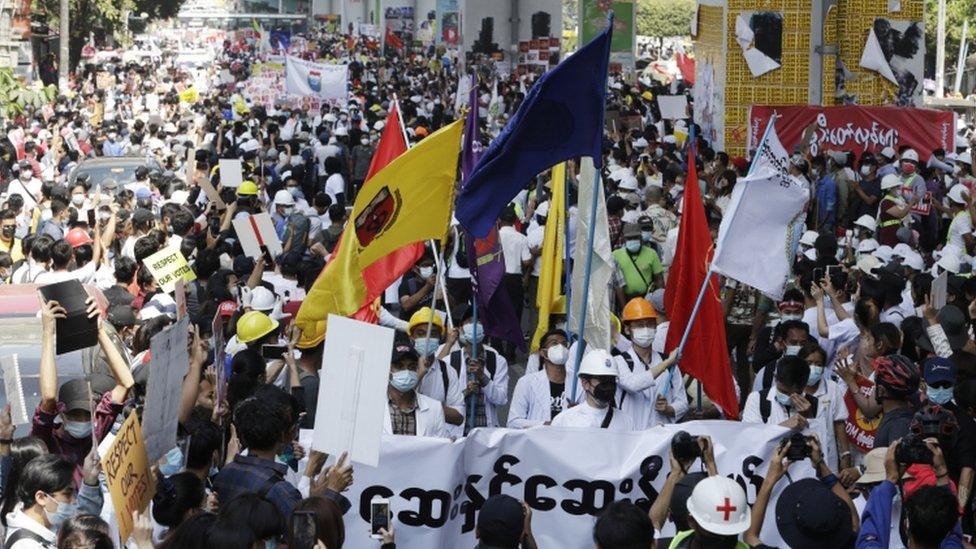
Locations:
(63, 61)
(940, 50)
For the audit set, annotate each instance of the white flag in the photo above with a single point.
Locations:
(597, 333)
(756, 239)
(873, 58)
(305, 78)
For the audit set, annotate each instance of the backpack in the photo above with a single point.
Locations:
(22, 534)
(765, 407)
(491, 362)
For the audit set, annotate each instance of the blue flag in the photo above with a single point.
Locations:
(561, 118)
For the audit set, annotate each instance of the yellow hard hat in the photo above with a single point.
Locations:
(254, 325)
(638, 309)
(615, 322)
(558, 306)
(312, 333)
(247, 188)
(648, 96)
(422, 316)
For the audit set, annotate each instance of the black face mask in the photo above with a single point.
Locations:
(605, 391)
(8, 232)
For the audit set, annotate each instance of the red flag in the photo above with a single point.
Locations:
(393, 40)
(705, 356)
(687, 67)
(381, 273)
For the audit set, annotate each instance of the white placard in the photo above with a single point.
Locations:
(14, 389)
(255, 231)
(169, 365)
(940, 290)
(231, 172)
(352, 389)
(673, 107)
(308, 79)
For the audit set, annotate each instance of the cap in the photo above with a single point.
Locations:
(121, 316)
(504, 517)
(402, 350)
(809, 515)
(142, 216)
(874, 469)
(74, 395)
(632, 230)
(938, 369)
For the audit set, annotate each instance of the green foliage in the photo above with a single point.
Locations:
(15, 97)
(957, 11)
(665, 17)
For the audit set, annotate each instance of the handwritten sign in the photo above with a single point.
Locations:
(167, 266)
(127, 475)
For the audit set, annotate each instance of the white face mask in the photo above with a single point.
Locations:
(865, 170)
(426, 272)
(643, 337)
(557, 354)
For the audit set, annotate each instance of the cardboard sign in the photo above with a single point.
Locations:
(256, 232)
(169, 364)
(352, 392)
(212, 194)
(231, 172)
(924, 206)
(127, 475)
(76, 331)
(940, 290)
(168, 265)
(14, 389)
(673, 107)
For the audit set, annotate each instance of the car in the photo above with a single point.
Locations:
(20, 335)
(120, 168)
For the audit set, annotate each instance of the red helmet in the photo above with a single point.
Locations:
(897, 374)
(78, 237)
(935, 421)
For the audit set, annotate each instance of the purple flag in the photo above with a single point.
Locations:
(485, 254)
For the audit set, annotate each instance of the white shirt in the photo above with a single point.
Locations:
(515, 249)
(960, 226)
(495, 392)
(670, 246)
(85, 275)
(532, 403)
(334, 185)
(534, 240)
(585, 415)
(17, 520)
(284, 288)
(830, 410)
(641, 390)
(433, 386)
(429, 417)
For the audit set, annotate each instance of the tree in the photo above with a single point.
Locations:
(665, 17)
(957, 11)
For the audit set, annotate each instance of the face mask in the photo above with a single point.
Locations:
(815, 173)
(426, 272)
(173, 463)
(646, 236)
(783, 399)
(364, 141)
(792, 350)
(633, 246)
(865, 170)
(426, 346)
(604, 392)
(25, 176)
(471, 332)
(939, 396)
(287, 210)
(8, 232)
(786, 318)
(816, 372)
(104, 216)
(659, 152)
(77, 199)
(78, 429)
(404, 380)
(907, 167)
(557, 354)
(643, 337)
(63, 513)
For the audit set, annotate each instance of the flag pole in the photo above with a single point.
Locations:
(584, 301)
(568, 260)
(472, 398)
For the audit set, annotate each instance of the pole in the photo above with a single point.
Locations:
(584, 301)
(963, 52)
(940, 49)
(64, 61)
(472, 398)
(568, 260)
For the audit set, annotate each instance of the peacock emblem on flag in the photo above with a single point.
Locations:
(378, 215)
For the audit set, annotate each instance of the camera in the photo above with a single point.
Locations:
(684, 447)
(799, 447)
(912, 449)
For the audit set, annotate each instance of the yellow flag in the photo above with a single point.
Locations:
(189, 95)
(409, 201)
(553, 253)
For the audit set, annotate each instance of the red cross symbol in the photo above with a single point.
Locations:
(728, 508)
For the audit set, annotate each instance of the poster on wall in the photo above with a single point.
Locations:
(449, 19)
(760, 35)
(896, 51)
(593, 19)
(399, 22)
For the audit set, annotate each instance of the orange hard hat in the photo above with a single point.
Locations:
(638, 309)
(78, 237)
(421, 131)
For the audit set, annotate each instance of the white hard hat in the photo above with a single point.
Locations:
(883, 253)
(379, 125)
(867, 222)
(965, 158)
(640, 143)
(597, 363)
(284, 198)
(809, 238)
(913, 260)
(910, 154)
(949, 261)
(890, 181)
(718, 504)
(957, 194)
(543, 209)
(341, 131)
(262, 299)
(867, 245)
(888, 152)
(628, 183)
(867, 264)
(901, 250)
(329, 117)
(811, 254)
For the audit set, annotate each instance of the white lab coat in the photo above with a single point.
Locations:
(433, 386)
(495, 392)
(585, 415)
(429, 418)
(531, 403)
(641, 389)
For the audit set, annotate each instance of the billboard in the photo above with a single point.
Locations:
(593, 19)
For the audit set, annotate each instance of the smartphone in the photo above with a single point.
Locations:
(818, 275)
(379, 516)
(303, 534)
(91, 217)
(273, 352)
